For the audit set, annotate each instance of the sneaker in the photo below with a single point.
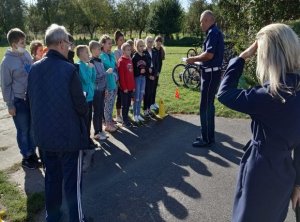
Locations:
(100, 136)
(156, 106)
(29, 164)
(152, 114)
(136, 119)
(140, 118)
(110, 128)
(146, 113)
(127, 124)
(119, 119)
(103, 134)
(152, 107)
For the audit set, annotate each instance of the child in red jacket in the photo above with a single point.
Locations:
(127, 83)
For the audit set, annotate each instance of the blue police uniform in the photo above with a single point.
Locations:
(210, 80)
(268, 172)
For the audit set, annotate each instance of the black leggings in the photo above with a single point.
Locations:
(119, 101)
(149, 93)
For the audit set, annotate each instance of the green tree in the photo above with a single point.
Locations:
(34, 20)
(192, 17)
(132, 15)
(95, 14)
(11, 15)
(69, 14)
(48, 10)
(165, 17)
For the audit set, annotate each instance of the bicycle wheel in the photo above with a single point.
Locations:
(177, 74)
(192, 77)
(191, 53)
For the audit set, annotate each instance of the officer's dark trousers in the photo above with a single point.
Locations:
(63, 169)
(209, 86)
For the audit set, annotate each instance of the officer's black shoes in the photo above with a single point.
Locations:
(199, 143)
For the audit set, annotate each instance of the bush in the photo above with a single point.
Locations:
(295, 25)
(185, 41)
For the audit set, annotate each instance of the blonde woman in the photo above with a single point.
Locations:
(269, 175)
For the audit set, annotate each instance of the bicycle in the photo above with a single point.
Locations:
(187, 75)
(193, 51)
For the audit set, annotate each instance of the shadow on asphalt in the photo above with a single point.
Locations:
(133, 177)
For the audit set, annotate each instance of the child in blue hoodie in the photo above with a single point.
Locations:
(88, 77)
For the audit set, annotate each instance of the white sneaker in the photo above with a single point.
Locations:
(119, 119)
(100, 136)
(140, 118)
(103, 134)
(156, 106)
(136, 119)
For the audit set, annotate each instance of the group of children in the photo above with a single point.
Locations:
(110, 77)
(125, 77)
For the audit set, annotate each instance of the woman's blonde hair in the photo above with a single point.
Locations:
(278, 53)
(137, 42)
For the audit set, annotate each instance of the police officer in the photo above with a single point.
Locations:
(211, 59)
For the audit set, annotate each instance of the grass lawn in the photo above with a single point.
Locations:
(189, 99)
(19, 208)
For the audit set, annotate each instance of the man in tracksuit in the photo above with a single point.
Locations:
(211, 58)
(58, 108)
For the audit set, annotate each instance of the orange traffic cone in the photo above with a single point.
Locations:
(177, 96)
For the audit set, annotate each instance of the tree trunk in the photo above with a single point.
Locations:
(90, 30)
(140, 34)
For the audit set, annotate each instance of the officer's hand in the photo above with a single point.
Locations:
(12, 111)
(250, 51)
(295, 197)
(190, 60)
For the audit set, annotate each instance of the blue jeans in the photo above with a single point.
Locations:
(140, 83)
(209, 87)
(63, 170)
(22, 121)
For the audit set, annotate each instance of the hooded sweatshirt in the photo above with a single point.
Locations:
(87, 76)
(14, 76)
(125, 69)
